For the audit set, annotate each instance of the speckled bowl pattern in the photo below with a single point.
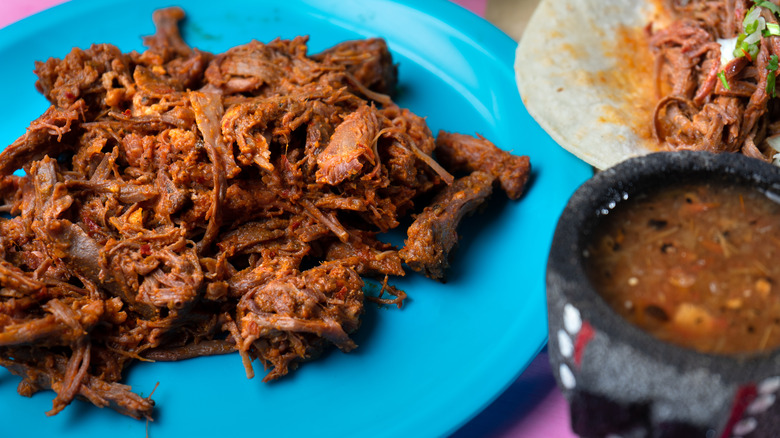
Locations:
(621, 381)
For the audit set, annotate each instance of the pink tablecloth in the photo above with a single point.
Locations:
(531, 407)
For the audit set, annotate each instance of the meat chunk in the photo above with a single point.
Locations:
(261, 68)
(45, 136)
(350, 147)
(462, 152)
(433, 234)
(368, 61)
(279, 318)
(99, 75)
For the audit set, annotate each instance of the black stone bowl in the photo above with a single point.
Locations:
(621, 381)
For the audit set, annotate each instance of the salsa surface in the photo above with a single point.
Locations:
(694, 265)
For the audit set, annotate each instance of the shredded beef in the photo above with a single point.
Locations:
(178, 203)
(695, 109)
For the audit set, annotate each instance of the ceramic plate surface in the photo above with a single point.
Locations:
(423, 370)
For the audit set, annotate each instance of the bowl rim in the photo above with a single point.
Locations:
(604, 191)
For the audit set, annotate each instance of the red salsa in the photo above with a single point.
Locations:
(696, 265)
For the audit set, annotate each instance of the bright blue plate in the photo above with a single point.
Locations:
(420, 371)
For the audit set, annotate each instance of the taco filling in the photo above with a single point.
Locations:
(611, 83)
(716, 72)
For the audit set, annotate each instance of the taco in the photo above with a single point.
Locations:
(609, 82)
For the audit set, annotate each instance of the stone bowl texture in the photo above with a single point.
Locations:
(621, 381)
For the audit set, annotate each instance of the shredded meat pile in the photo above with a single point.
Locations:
(177, 203)
(696, 111)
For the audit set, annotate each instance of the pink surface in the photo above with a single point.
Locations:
(14, 10)
(531, 407)
(475, 6)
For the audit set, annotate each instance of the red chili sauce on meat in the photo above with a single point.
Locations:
(695, 265)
